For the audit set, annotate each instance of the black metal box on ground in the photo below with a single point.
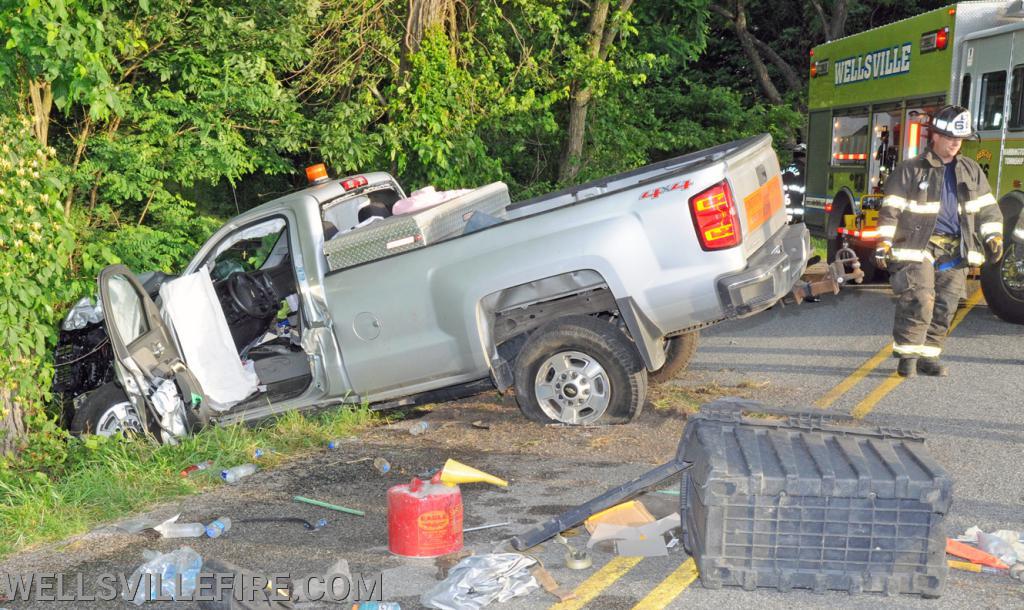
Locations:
(804, 500)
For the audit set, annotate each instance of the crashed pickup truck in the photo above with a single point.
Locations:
(327, 296)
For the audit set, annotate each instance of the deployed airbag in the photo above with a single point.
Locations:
(190, 307)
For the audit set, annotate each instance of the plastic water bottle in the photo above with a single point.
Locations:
(382, 465)
(232, 475)
(194, 467)
(181, 530)
(283, 328)
(377, 606)
(258, 453)
(336, 443)
(218, 527)
(418, 428)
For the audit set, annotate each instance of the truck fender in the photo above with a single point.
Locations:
(511, 313)
(843, 201)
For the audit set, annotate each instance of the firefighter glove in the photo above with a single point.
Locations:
(882, 254)
(994, 245)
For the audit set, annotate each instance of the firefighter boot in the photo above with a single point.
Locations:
(931, 367)
(907, 367)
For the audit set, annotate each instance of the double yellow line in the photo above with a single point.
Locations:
(891, 382)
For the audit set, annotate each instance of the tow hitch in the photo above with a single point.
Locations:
(834, 279)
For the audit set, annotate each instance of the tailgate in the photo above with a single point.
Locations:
(753, 174)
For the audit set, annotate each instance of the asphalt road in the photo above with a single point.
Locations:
(791, 356)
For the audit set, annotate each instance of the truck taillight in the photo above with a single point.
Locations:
(715, 218)
(353, 183)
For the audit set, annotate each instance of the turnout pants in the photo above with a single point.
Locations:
(926, 301)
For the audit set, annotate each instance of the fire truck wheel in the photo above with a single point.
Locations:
(1003, 283)
(580, 370)
(678, 352)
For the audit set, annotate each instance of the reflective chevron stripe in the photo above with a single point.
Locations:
(928, 207)
(887, 231)
(911, 255)
(895, 201)
(992, 228)
(976, 205)
(921, 351)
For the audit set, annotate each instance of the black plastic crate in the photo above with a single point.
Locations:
(803, 500)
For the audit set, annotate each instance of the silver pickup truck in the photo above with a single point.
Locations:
(573, 299)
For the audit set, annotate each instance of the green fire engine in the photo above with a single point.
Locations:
(870, 103)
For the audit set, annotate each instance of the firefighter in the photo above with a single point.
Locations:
(938, 217)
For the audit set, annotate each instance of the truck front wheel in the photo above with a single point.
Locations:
(580, 370)
(1003, 282)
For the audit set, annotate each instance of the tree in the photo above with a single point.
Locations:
(598, 41)
(833, 24)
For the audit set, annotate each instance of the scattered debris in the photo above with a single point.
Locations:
(480, 425)
(306, 524)
(168, 570)
(631, 514)
(479, 580)
(194, 467)
(218, 527)
(550, 585)
(382, 465)
(172, 529)
(445, 563)
(972, 567)
(321, 504)
(968, 552)
(485, 527)
(647, 540)
(419, 428)
(236, 473)
(454, 473)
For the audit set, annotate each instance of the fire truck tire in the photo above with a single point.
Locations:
(1005, 300)
(678, 353)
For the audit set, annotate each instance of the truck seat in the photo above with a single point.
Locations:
(410, 231)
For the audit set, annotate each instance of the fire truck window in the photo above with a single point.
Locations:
(965, 91)
(849, 140)
(993, 91)
(885, 145)
(1017, 99)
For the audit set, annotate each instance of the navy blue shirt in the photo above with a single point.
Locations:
(948, 221)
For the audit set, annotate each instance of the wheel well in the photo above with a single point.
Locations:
(1011, 204)
(842, 204)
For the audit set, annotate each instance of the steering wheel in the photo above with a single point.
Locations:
(251, 296)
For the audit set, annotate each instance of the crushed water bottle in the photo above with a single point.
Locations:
(377, 606)
(232, 475)
(217, 527)
(382, 465)
(172, 529)
(165, 569)
(418, 428)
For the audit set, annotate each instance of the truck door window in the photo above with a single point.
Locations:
(886, 134)
(993, 93)
(251, 248)
(849, 140)
(1016, 99)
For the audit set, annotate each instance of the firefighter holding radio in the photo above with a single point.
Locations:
(938, 217)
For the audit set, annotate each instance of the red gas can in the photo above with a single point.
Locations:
(424, 519)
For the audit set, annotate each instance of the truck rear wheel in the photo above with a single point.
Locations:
(679, 351)
(1003, 282)
(580, 370)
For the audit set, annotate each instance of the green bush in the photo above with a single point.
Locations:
(35, 243)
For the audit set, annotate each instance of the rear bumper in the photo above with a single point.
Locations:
(770, 273)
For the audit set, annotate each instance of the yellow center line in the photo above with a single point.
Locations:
(599, 581)
(845, 385)
(670, 588)
(865, 406)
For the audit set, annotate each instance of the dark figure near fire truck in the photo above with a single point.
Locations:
(938, 218)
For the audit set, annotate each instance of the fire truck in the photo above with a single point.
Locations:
(871, 98)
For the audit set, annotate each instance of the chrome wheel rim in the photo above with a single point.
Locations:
(119, 419)
(572, 388)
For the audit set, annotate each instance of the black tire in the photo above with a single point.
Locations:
(93, 416)
(1005, 302)
(679, 351)
(614, 397)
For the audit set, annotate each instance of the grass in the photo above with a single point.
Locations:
(109, 478)
(820, 247)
